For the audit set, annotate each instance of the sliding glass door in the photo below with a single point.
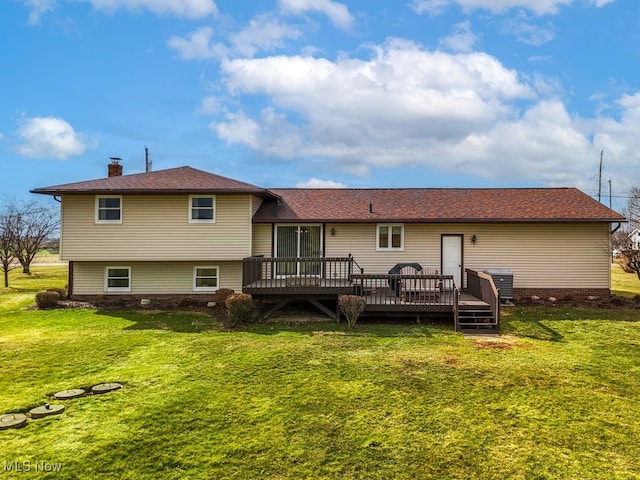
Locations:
(296, 241)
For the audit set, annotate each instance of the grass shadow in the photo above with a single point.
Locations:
(530, 328)
(174, 321)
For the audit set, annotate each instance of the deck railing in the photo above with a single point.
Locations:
(296, 274)
(481, 286)
(406, 292)
(324, 277)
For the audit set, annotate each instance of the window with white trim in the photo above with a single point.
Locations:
(205, 278)
(109, 209)
(117, 279)
(202, 209)
(390, 237)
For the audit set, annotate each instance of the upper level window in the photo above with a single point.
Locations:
(109, 209)
(390, 237)
(202, 209)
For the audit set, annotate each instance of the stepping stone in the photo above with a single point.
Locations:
(46, 410)
(105, 387)
(13, 420)
(67, 394)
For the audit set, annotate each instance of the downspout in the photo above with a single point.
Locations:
(617, 228)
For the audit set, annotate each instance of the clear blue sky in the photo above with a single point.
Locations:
(362, 93)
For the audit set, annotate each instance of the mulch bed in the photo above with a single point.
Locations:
(611, 302)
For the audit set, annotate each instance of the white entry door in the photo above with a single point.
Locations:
(452, 257)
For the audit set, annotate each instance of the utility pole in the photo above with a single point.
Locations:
(600, 177)
(610, 193)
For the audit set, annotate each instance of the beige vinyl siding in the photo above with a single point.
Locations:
(568, 255)
(156, 227)
(154, 278)
(255, 204)
(262, 239)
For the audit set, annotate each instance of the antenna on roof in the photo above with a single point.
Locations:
(147, 160)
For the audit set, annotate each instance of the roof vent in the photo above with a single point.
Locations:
(114, 168)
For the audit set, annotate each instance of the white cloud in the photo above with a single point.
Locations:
(196, 46)
(191, 9)
(318, 183)
(48, 137)
(337, 12)
(527, 32)
(461, 40)
(385, 109)
(211, 105)
(239, 129)
(264, 33)
(408, 106)
(38, 8)
(539, 7)
(402, 88)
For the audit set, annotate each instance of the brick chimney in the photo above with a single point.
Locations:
(114, 168)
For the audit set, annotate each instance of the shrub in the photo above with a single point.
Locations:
(61, 291)
(351, 306)
(47, 299)
(239, 306)
(221, 295)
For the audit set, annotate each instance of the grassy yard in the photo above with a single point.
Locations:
(556, 397)
(624, 284)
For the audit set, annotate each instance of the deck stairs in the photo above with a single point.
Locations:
(477, 319)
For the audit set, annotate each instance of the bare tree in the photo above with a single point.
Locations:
(24, 227)
(35, 223)
(632, 210)
(7, 246)
(620, 240)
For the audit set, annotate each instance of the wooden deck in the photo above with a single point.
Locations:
(318, 280)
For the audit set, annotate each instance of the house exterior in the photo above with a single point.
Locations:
(634, 239)
(183, 231)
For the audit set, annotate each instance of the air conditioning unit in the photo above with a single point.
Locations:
(503, 279)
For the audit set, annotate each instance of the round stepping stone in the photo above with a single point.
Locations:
(105, 387)
(13, 420)
(67, 394)
(46, 410)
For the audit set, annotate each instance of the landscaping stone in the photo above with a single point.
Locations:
(105, 387)
(12, 420)
(67, 394)
(46, 410)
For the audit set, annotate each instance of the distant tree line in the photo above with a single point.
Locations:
(25, 228)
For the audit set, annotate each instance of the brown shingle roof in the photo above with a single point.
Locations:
(434, 205)
(172, 180)
(353, 205)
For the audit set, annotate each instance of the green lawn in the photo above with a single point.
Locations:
(556, 397)
(624, 284)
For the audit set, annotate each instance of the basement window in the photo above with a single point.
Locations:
(205, 279)
(390, 237)
(117, 279)
(109, 209)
